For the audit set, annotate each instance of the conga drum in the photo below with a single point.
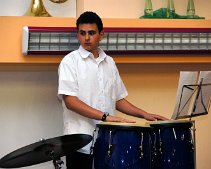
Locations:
(122, 146)
(172, 145)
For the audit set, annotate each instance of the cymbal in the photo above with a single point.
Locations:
(45, 150)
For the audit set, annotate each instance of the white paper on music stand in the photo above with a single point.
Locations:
(202, 104)
(184, 95)
(193, 94)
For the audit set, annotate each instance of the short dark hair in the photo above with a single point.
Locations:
(90, 17)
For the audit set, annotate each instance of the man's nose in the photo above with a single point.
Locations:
(87, 36)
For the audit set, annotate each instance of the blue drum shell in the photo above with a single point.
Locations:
(122, 147)
(172, 146)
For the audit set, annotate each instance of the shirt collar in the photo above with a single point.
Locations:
(85, 54)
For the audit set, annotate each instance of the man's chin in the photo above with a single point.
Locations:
(88, 49)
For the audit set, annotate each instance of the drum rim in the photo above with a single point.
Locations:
(123, 125)
(171, 123)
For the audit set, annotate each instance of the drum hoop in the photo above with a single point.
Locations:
(170, 123)
(122, 125)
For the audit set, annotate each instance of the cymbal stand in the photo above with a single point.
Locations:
(57, 162)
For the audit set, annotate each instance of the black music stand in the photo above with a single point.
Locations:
(197, 97)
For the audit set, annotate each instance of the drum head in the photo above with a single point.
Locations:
(170, 123)
(118, 125)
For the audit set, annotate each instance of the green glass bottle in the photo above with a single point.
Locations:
(148, 11)
(170, 9)
(190, 8)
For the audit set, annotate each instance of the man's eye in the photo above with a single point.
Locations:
(92, 32)
(83, 33)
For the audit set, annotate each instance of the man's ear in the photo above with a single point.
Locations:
(77, 34)
(101, 35)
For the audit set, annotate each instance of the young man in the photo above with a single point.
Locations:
(91, 88)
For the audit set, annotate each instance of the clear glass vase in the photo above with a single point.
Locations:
(190, 8)
(170, 9)
(148, 11)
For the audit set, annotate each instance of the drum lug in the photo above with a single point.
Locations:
(193, 139)
(141, 153)
(110, 145)
(110, 150)
(160, 142)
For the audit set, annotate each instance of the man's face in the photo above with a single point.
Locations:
(89, 37)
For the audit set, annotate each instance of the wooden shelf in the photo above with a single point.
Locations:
(11, 40)
(167, 59)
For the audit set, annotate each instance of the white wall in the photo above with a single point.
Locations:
(29, 109)
(135, 8)
(19, 7)
(117, 8)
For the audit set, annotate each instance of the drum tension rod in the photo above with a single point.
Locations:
(110, 145)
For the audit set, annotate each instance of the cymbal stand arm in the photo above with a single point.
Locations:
(57, 162)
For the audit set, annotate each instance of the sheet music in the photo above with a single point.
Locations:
(203, 102)
(193, 94)
(182, 106)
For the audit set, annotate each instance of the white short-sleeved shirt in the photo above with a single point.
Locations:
(95, 82)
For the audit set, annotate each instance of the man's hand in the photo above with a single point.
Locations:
(153, 117)
(119, 119)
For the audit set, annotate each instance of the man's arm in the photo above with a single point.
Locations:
(126, 107)
(76, 105)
